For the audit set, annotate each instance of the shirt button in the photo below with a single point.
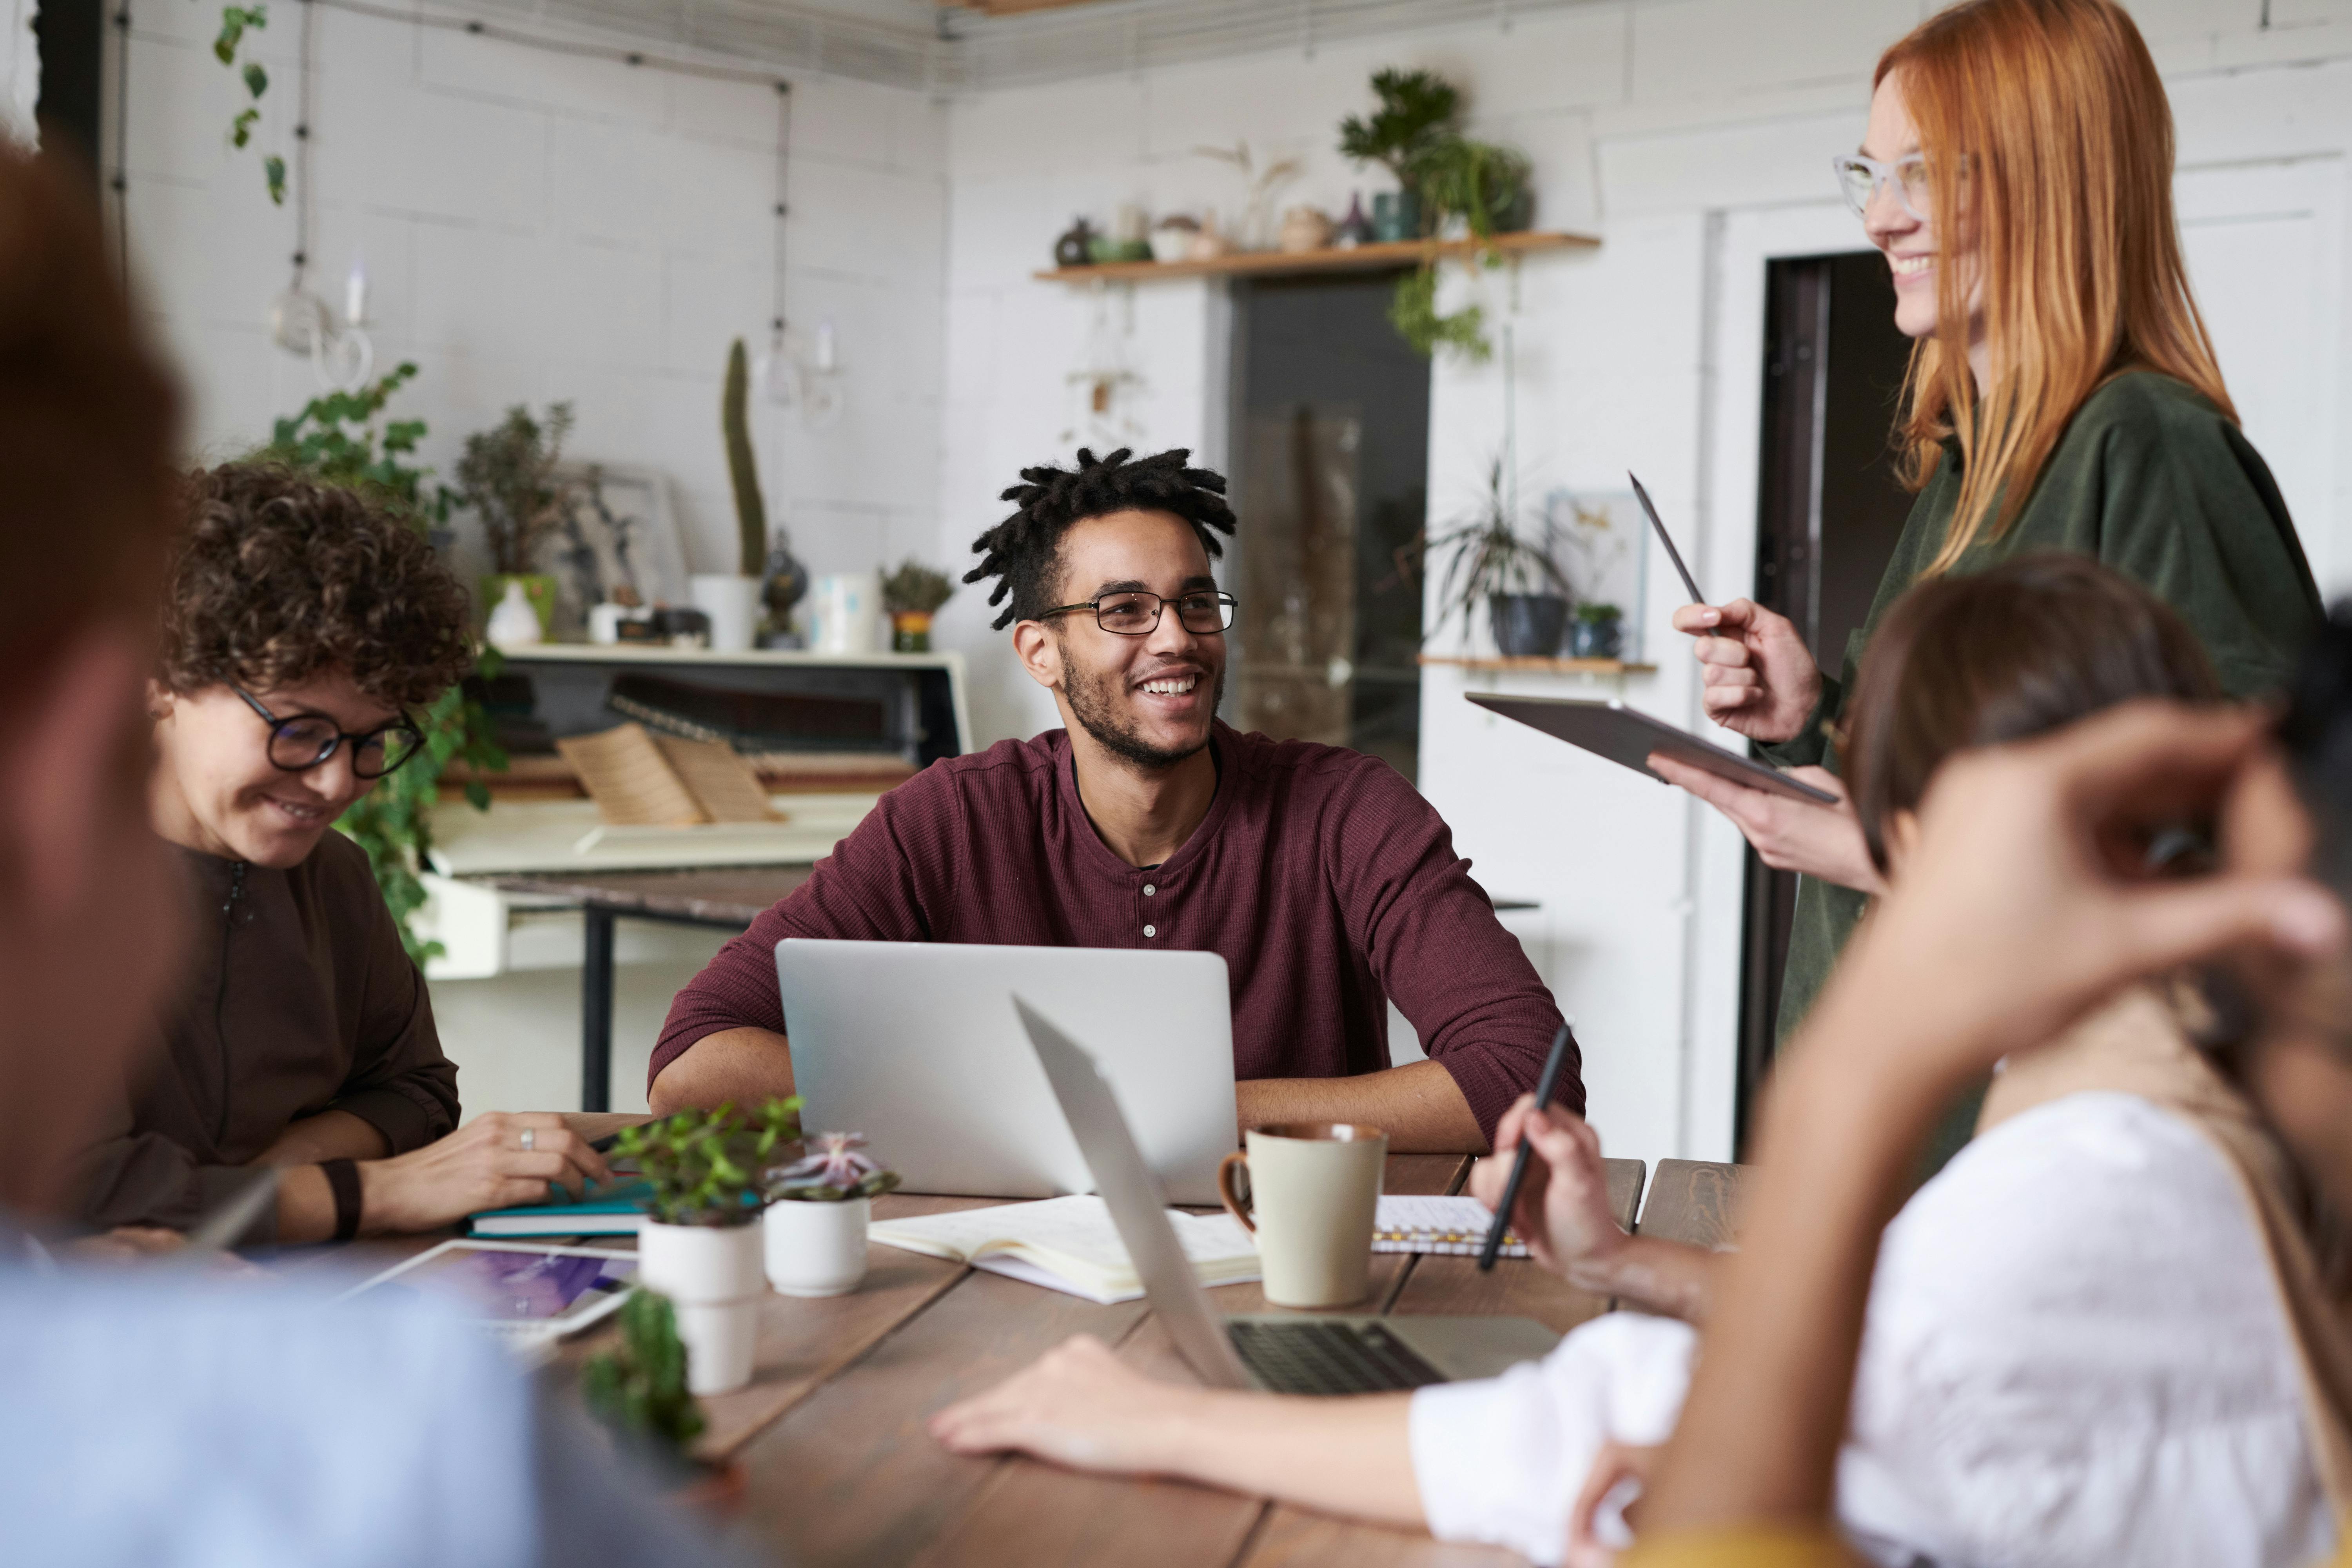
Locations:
(1148, 889)
(1151, 930)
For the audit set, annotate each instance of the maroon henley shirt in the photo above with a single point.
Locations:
(1324, 880)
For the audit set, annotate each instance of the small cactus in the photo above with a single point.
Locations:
(742, 467)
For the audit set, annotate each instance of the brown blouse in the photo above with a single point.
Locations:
(298, 998)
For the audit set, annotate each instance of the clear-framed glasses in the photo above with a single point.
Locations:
(1860, 177)
(1134, 613)
(301, 743)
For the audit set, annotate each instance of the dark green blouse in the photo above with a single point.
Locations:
(2150, 479)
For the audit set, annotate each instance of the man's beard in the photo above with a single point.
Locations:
(1092, 705)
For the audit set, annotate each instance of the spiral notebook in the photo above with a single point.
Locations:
(1443, 1225)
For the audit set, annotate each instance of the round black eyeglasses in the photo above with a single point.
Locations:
(303, 742)
(1137, 613)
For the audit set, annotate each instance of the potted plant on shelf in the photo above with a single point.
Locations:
(1599, 632)
(816, 1221)
(507, 477)
(1488, 563)
(1416, 107)
(913, 594)
(701, 1242)
(732, 599)
(638, 1390)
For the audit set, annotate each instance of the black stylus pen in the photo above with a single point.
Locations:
(1544, 1085)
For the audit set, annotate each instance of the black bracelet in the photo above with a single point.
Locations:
(344, 1181)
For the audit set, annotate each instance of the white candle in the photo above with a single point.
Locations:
(355, 292)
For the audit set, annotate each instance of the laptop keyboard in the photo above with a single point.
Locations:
(1309, 1357)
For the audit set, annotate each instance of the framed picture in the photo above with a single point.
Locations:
(1602, 541)
(618, 541)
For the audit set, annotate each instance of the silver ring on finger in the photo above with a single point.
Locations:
(529, 1138)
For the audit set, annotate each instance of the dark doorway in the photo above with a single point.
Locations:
(71, 36)
(1828, 511)
(1330, 440)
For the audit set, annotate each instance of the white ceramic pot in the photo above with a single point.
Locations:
(513, 623)
(846, 610)
(732, 604)
(711, 1275)
(815, 1248)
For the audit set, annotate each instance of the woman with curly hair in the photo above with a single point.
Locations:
(302, 628)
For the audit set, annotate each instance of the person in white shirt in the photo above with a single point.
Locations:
(2074, 1350)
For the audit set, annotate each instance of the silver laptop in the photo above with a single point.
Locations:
(1290, 1354)
(916, 1046)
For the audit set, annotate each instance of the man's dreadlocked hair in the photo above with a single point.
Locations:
(1022, 550)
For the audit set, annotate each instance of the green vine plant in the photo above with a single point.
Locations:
(235, 22)
(342, 439)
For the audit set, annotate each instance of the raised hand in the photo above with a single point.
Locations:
(1563, 1212)
(1759, 679)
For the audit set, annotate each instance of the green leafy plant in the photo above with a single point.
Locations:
(506, 478)
(1485, 555)
(639, 1388)
(834, 1171)
(1414, 312)
(1417, 108)
(1593, 615)
(742, 465)
(1481, 182)
(710, 1167)
(915, 588)
(235, 22)
(342, 439)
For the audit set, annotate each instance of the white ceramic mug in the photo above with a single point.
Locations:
(845, 609)
(1314, 1187)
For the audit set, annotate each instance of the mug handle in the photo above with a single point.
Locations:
(1234, 1205)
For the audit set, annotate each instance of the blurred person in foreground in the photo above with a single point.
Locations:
(153, 1415)
(2015, 919)
(2083, 1346)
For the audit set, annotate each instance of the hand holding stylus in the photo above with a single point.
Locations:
(1760, 680)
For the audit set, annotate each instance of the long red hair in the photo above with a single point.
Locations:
(2049, 138)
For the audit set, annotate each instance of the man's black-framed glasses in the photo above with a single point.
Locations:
(303, 742)
(1131, 613)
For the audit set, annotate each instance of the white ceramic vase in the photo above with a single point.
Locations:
(732, 603)
(711, 1275)
(816, 1249)
(513, 623)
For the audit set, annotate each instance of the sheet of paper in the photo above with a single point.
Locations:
(1457, 1226)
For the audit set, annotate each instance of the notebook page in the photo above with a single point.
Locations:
(1410, 1222)
(1074, 1239)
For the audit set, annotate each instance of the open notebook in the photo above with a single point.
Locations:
(1070, 1245)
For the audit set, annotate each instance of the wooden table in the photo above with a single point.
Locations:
(727, 897)
(840, 1470)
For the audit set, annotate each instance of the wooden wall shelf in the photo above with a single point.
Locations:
(1545, 666)
(1290, 263)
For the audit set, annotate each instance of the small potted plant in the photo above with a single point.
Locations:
(638, 1390)
(1490, 564)
(700, 1242)
(816, 1222)
(1417, 109)
(507, 477)
(913, 594)
(1599, 632)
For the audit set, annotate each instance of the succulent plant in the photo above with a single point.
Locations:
(639, 1389)
(832, 1171)
(709, 1167)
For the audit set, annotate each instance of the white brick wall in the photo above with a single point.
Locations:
(538, 227)
(1693, 136)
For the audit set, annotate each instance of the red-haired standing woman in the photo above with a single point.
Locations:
(2063, 396)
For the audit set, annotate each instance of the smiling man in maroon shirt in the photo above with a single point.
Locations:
(1326, 884)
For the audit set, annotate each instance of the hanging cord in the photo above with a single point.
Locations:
(302, 148)
(784, 197)
(122, 181)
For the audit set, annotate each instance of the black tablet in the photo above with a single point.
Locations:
(1622, 735)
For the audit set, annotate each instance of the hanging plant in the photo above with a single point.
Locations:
(1414, 312)
(235, 22)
